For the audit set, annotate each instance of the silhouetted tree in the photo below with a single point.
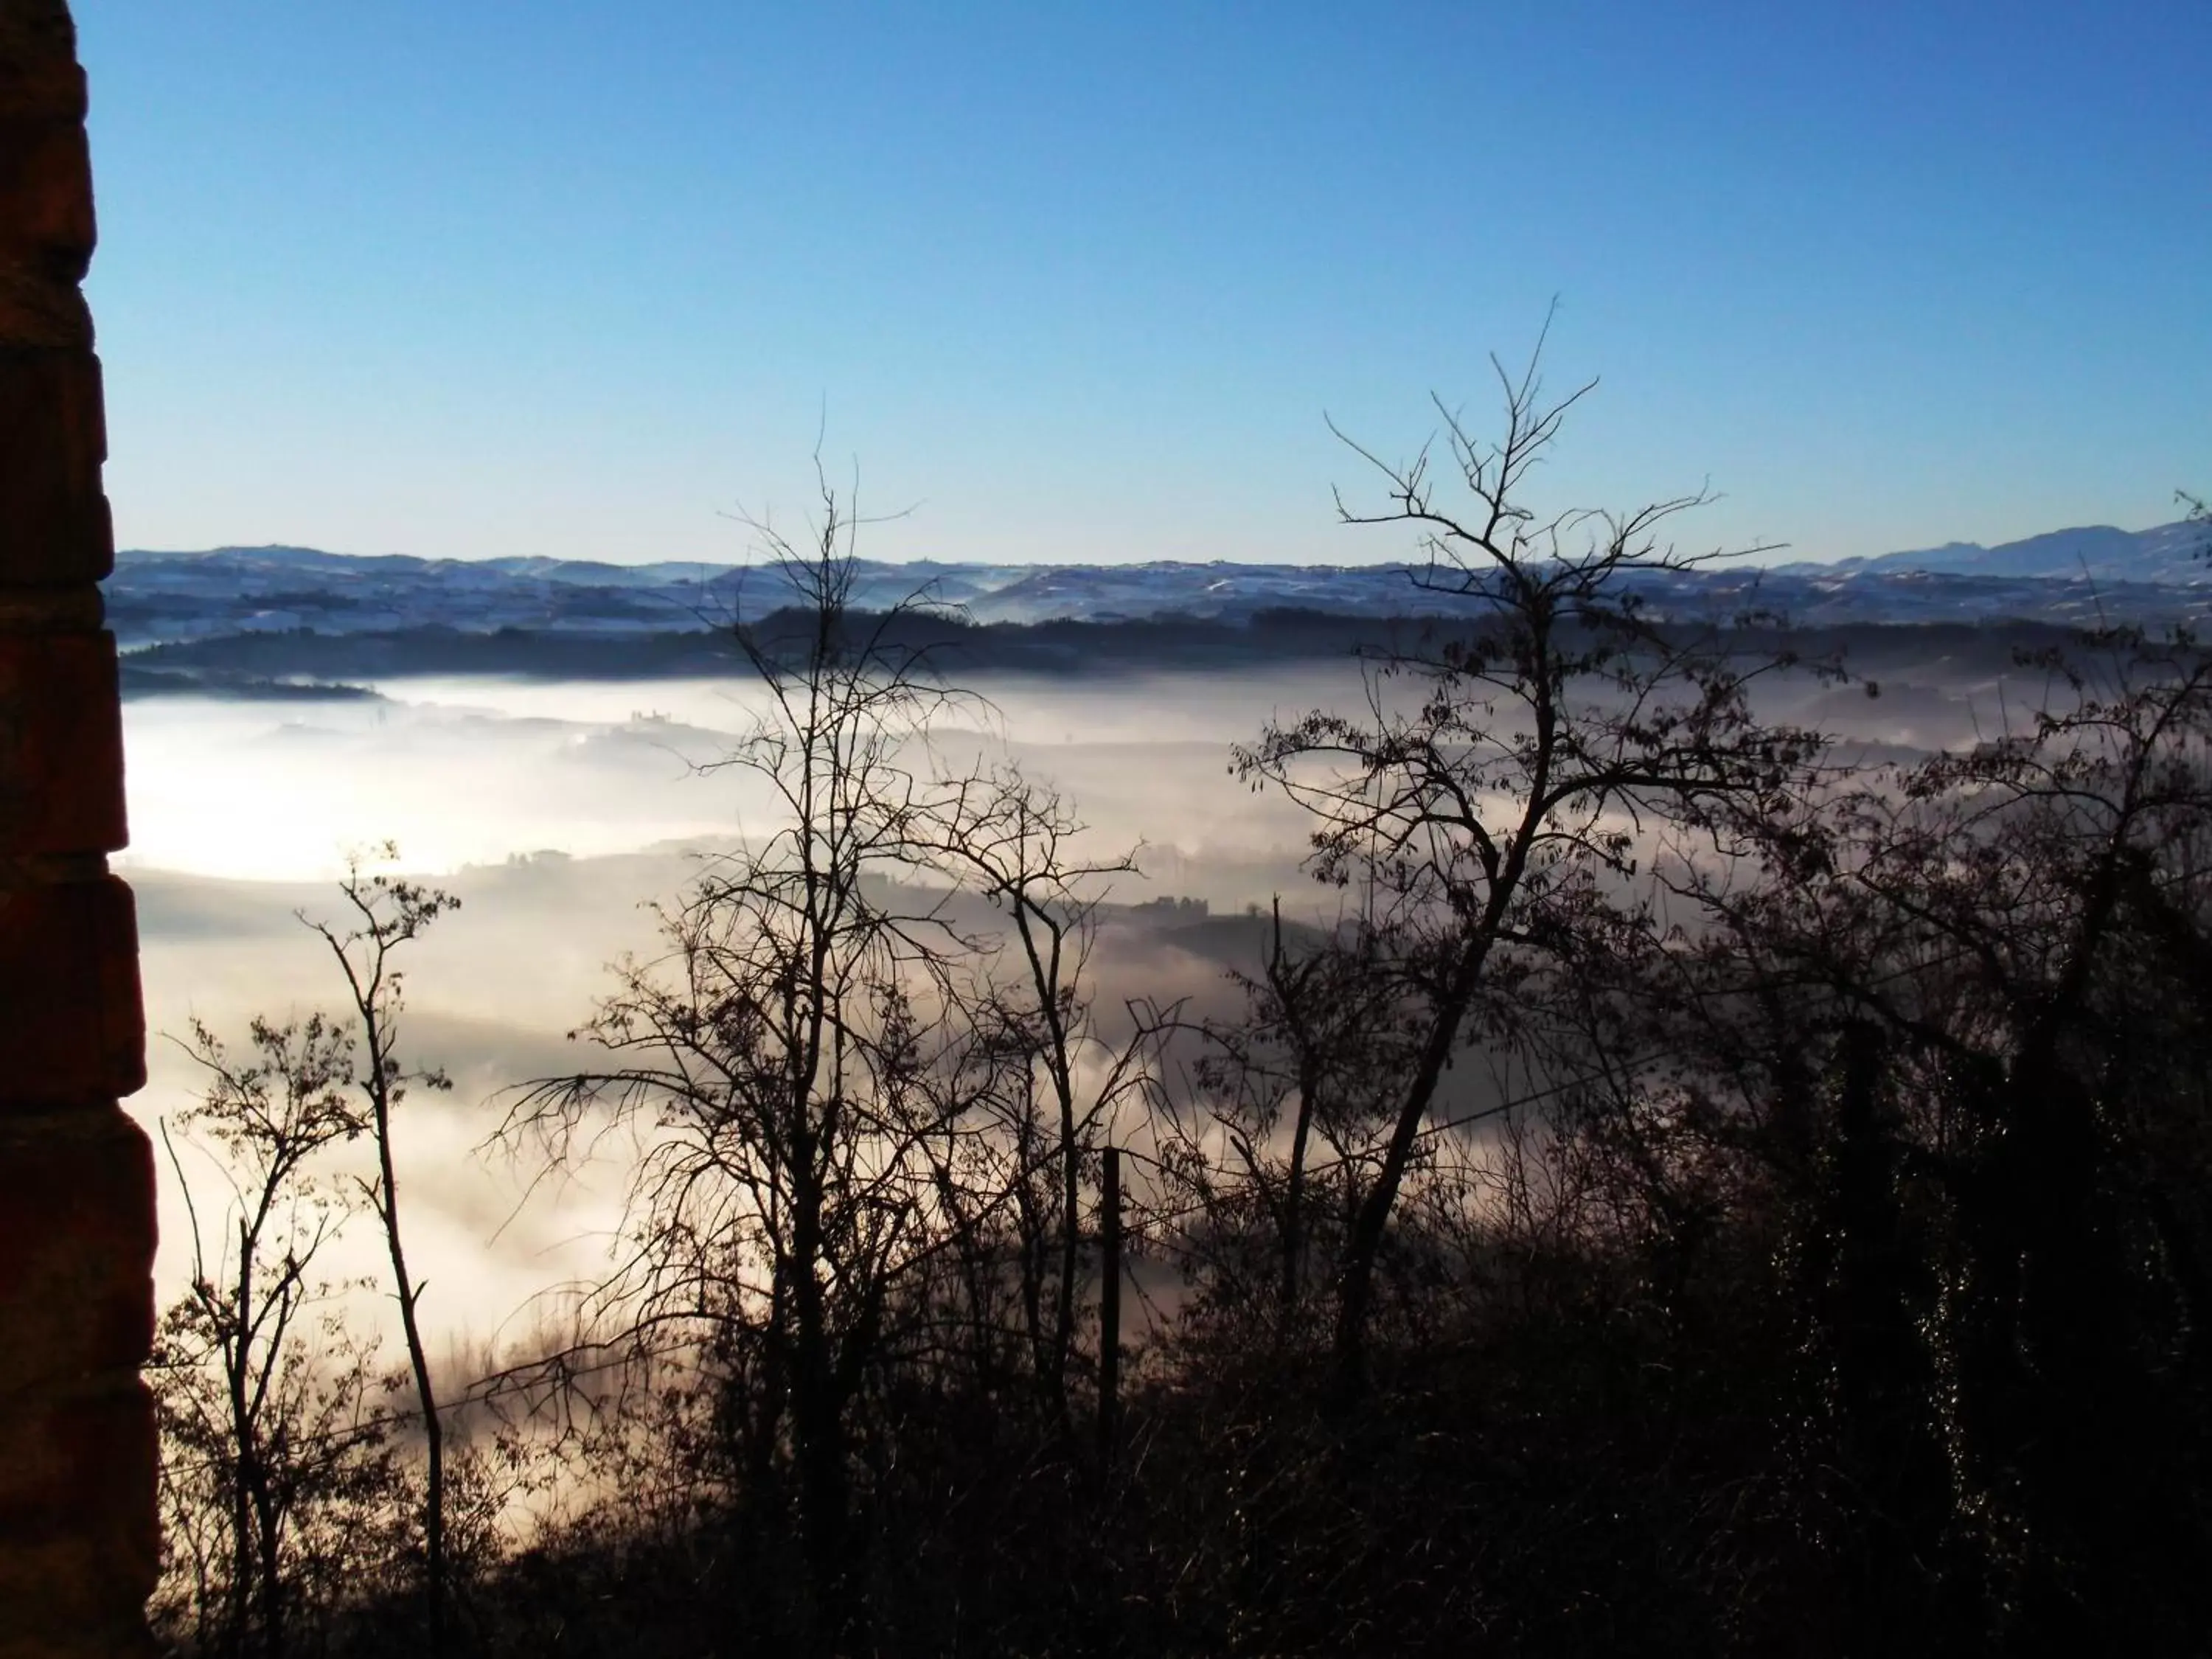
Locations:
(1013, 842)
(1935, 1033)
(1487, 807)
(1298, 1088)
(268, 1408)
(818, 1064)
(388, 912)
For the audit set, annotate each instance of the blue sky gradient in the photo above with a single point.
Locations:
(489, 277)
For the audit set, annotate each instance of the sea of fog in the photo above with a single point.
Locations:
(560, 813)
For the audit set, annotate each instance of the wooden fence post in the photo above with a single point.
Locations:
(1110, 1305)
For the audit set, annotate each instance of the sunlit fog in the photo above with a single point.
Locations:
(560, 811)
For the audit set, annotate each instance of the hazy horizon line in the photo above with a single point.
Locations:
(1763, 556)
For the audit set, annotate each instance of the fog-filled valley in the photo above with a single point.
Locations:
(1621, 1105)
(1140, 832)
(831, 1091)
(559, 812)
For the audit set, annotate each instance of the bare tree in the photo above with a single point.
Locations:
(1016, 842)
(851, 1082)
(265, 1407)
(777, 1061)
(1935, 1037)
(1489, 805)
(1314, 1065)
(388, 912)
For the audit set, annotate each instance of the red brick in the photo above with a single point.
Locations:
(61, 744)
(79, 1536)
(73, 1463)
(39, 77)
(54, 525)
(45, 196)
(51, 405)
(71, 1023)
(37, 313)
(76, 1247)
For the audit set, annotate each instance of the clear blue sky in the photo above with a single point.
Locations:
(1078, 282)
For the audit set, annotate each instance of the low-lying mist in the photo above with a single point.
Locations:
(561, 813)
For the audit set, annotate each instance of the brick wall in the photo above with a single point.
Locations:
(77, 1534)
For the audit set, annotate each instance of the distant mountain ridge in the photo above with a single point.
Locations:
(2067, 576)
(2167, 553)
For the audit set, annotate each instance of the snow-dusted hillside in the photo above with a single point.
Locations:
(2155, 575)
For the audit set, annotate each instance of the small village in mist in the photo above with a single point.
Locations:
(1139, 832)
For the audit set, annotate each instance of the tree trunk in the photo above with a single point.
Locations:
(1898, 1487)
(434, 1431)
(1357, 1277)
(818, 1426)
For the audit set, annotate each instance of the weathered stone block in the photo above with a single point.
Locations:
(39, 77)
(76, 1247)
(72, 1027)
(46, 196)
(54, 523)
(61, 744)
(35, 311)
(79, 1533)
(56, 419)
